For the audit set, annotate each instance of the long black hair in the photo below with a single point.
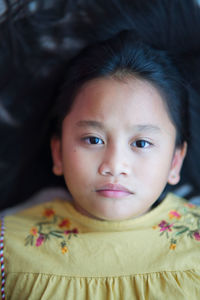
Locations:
(38, 41)
(123, 56)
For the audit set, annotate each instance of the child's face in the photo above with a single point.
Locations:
(117, 150)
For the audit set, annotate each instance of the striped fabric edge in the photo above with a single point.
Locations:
(2, 259)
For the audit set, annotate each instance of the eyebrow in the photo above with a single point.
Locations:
(147, 127)
(99, 125)
(90, 123)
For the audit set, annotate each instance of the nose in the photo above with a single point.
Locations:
(115, 162)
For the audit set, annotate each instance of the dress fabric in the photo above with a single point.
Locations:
(51, 251)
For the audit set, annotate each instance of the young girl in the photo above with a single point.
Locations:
(121, 130)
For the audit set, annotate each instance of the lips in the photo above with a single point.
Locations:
(113, 191)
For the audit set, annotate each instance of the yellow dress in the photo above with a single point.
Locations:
(51, 251)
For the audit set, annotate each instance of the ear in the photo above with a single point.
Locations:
(56, 155)
(178, 158)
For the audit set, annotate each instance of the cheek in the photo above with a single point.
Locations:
(78, 167)
(155, 169)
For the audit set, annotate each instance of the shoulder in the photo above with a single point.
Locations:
(179, 223)
(34, 225)
(177, 202)
(43, 196)
(174, 200)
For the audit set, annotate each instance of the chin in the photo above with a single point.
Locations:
(111, 217)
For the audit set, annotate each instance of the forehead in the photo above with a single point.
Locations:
(131, 101)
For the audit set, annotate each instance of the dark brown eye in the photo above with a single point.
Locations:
(93, 140)
(141, 144)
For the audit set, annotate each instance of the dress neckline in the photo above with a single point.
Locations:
(120, 225)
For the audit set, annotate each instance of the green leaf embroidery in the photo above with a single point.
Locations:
(48, 229)
(55, 234)
(182, 231)
(186, 222)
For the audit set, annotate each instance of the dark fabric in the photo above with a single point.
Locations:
(38, 38)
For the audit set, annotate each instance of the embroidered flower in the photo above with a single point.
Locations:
(64, 223)
(75, 231)
(190, 205)
(173, 214)
(197, 235)
(186, 223)
(172, 247)
(173, 244)
(64, 249)
(54, 226)
(39, 240)
(164, 226)
(155, 227)
(48, 212)
(33, 231)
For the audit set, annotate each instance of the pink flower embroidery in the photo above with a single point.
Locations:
(197, 236)
(39, 240)
(174, 214)
(53, 226)
(75, 230)
(164, 226)
(181, 225)
(190, 205)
